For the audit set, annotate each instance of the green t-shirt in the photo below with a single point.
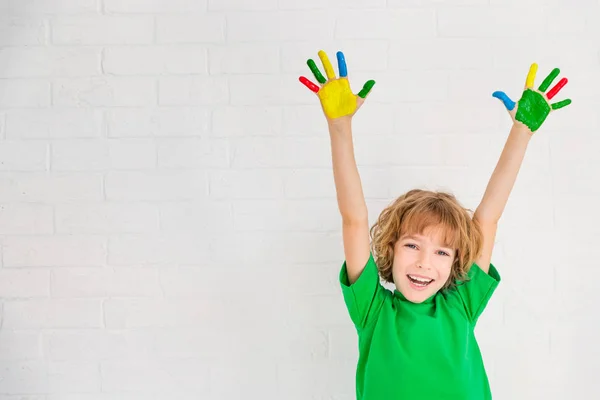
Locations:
(425, 351)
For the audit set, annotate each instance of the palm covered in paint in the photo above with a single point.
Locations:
(533, 107)
(336, 96)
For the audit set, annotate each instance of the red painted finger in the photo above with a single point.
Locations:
(557, 88)
(309, 84)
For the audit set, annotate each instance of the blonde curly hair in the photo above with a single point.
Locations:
(413, 213)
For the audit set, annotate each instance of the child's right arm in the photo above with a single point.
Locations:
(339, 106)
(350, 197)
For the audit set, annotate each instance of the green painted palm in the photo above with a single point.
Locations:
(534, 106)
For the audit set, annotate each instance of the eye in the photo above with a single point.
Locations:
(443, 253)
(409, 246)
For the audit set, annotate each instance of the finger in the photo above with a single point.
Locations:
(531, 76)
(508, 103)
(327, 65)
(315, 70)
(556, 88)
(548, 81)
(342, 64)
(366, 89)
(309, 84)
(561, 104)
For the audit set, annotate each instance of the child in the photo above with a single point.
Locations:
(417, 342)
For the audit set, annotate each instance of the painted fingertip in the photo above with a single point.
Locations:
(508, 103)
(366, 89)
(309, 84)
(342, 64)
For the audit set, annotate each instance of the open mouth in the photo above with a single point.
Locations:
(419, 281)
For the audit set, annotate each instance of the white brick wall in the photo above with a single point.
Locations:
(168, 221)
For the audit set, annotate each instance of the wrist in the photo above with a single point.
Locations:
(341, 124)
(521, 130)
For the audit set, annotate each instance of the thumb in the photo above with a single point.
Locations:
(508, 103)
(366, 89)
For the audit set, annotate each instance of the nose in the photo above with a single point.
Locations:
(423, 261)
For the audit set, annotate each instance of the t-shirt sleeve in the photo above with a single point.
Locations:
(365, 296)
(476, 292)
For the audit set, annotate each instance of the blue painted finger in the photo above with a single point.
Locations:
(508, 103)
(342, 64)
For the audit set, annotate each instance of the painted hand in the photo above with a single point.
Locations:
(534, 106)
(336, 96)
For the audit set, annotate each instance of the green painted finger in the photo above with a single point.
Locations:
(544, 86)
(315, 70)
(366, 88)
(561, 104)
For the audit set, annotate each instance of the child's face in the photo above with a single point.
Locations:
(422, 265)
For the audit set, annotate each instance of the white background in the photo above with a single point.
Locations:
(168, 221)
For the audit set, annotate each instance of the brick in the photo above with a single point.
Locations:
(157, 376)
(155, 185)
(441, 53)
(19, 345)
(494, 22)
(239, 121)
(237, 5)
(403, 86)
(192, 153)
(101, 155)
(256, 90)
(289, 215)
(23, 284)
(194, 91)
(54, 123)
(251, 382)
(49, 62)
(22, 31)
(204, 28)
(435, 3)
(383, 24)
(105, 218)
(361, 55)
(244, 59)
(283, 25)
(155, 313)
(158, 122)
(100, 30)
(196, 217)
(54, 251)
(24, 93)
(449, 118)
(95, 345)
(33, 7)
(52, 313)
(105, 282)
(157, 249)
(251, 247)
(155, 60)
(50, 187)
(248, 184)
(289, 152)
(105, 92)
(368, 4)
(20, 156)
(26, 219)
(154, 6)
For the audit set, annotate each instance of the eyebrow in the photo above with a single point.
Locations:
(416, 238)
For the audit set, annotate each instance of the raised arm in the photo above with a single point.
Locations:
(528, 115)
(339, 105)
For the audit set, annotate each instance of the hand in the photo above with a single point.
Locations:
(534, 106)
(337, 99)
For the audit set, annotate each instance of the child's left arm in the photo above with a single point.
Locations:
(528, 115)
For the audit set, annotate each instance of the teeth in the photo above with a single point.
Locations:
(421, 280)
